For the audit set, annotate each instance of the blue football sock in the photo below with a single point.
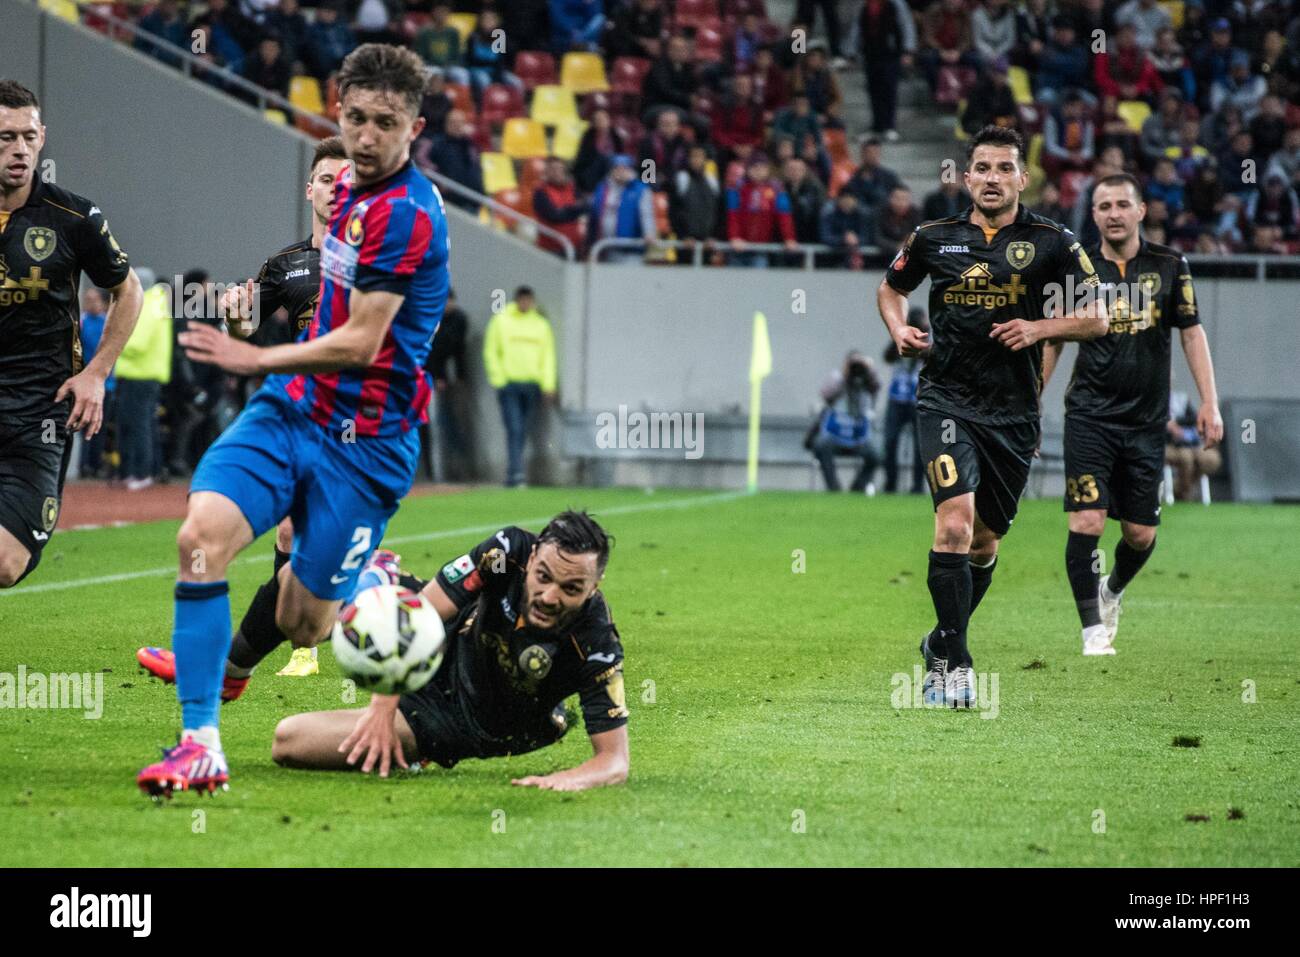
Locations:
(200, 641)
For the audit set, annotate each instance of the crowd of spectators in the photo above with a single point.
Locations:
(731, 131)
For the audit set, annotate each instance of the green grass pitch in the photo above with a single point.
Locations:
(768, 641)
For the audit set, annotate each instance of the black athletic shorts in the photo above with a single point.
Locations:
(990, 460)
(1114, 468)
(445, 731)
(34, 456)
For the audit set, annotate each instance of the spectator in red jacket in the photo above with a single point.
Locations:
(758, 211)
(738, 117)
(664, 148)
(556, 204)
(1126, 71)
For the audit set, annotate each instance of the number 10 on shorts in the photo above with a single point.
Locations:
(942, 472)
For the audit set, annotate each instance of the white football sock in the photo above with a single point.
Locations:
(208, 736)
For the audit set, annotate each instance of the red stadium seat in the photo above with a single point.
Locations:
(953, 85)
(535, 68)
(693, 13)
(462, 98)
(630, 129)
(596, 101)
(502, 102)
(482, 135)
(628, 75)
(413, 23)
(708, 45)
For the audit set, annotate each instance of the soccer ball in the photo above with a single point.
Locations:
(389, 639)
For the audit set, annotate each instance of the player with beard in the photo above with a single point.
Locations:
(1117, 406)
(289, 280)
(527, 627)
(994, 270)
(48, 238)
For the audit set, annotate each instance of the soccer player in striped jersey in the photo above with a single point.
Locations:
(331, 438)
(288, 280)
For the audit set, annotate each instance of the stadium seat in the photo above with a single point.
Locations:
(332, 97)
(502, 102)
(63, 9)
(597, 101)
(523, 138)
(553, 105)
(413, 23)
(567, 139)
(630, 128)
(958, 132)
(518, 199)
(708, 45)
(628, 75)
(1018, 78)
(583, 73)
(953, 85)
(1035, 158)
(535, 68)
(464, 24)
(313, 125)
(462, 98)
(837, 145)
(695, 13)
(304, 94)
(498, 173)
(482, 135)
(1134, 113)
(276, 116)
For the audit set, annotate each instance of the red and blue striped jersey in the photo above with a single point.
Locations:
(389, 236)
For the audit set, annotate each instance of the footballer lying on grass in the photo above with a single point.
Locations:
(526, 628)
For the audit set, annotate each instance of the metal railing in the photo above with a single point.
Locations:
(700, 248)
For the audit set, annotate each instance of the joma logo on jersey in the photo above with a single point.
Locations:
(976, 288)
(953, 249)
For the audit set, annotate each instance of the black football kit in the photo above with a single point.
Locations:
(45, 246)
(501, 681)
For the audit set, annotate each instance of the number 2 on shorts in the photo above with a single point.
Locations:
(360, 545)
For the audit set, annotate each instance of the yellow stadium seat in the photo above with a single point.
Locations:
(1018, 78)
(1134, 113)
(1035, 151)
(464, 23)
(583, 73)
(63, 9)
(553, 105)
(523, 139)
(1176, 10)
(498, 173)
(304, 93)
(276, 116)
(957, 131)
(568, 137)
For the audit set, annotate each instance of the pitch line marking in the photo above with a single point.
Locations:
(394, 540)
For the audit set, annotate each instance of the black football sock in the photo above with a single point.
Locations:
(1128, 562)
(258, 634)
(980, 578)
(950, 589)
(281, 559)
(1080, 568)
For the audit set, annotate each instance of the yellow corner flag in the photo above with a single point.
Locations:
(760, 367)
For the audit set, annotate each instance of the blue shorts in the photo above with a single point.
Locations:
(274, 461)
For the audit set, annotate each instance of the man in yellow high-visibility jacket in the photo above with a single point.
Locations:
(519, 353)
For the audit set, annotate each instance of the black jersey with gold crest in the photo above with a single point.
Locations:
(977, 281)
(1122, 378)
(290, 278)
(45, 246)
(510, 674)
